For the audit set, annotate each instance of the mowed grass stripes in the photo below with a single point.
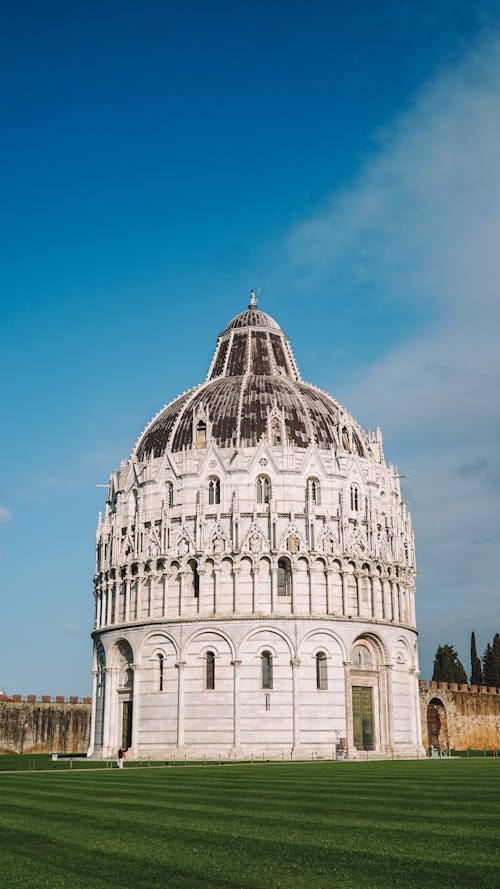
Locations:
(382, 824)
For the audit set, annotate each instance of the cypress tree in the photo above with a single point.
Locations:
(496, 659)
(447, 666)
(488, 666)
(476, 676)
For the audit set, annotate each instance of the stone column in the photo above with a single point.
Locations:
(386, 593)
(236, 705)
(388, 704)
(274, 585)
(110, 712)
(357, 584)
(138, 600)
(393, 600)
(180, 703)
(349, 728)
(182, 574)
(165, 577)
(93, 712)
(201, 590)
(216, 604)
(127, 599)
(236, 575)
(255, 574)
(135, 707)
(329, 595)
(295, 662)
(310, 584)
(109, 600)
(343, 587)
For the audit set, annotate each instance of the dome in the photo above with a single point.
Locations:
(253, 379)
(252, 317)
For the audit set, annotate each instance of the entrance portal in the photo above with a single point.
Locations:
(127, 724)
(437, 725)
(362, 717)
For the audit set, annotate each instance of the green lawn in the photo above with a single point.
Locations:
(381, 824)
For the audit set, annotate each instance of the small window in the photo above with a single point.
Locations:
(321, 671)
(263, 489)
(214, 491)
(361, 658)
(284, 578)
(267, 669)
(196, 578)
(201, 434)
(346, 444)
(354, 498)
(276, 433)
(210, 671)
(313, 491)
(170, 495)
(161, 671)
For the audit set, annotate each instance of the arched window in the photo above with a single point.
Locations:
(346, 444)
(161, 671)
(263, 489)
(276, 433)
(321, 671)
(210, 671)
(354, 498)
(284, 578)
(214, 491)
(267, 669)
(361, 658)
(170, 495)
(200, 440)
(196, 578)
(313, 490)
(358, 445)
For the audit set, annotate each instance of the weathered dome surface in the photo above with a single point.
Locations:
(252, 377)
(253, 317)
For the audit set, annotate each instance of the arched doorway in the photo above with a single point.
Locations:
(437, 724)
(125, 691)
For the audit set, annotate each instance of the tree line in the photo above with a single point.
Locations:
(486, 671)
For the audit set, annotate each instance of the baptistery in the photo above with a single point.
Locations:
(255, 574)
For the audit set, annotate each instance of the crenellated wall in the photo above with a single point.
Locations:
(460, 717)
(44, 726)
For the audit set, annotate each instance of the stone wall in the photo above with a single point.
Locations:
(460, 716)
(45, 725)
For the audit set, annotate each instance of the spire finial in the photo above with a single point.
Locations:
(253, 300)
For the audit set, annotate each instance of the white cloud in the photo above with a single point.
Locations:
(423, 222)
(71, 629)
(5, 515)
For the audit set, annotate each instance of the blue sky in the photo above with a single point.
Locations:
(157, 161)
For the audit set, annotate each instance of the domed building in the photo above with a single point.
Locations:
(255, 574)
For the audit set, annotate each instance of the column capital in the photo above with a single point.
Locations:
(180, 665)
(295, 662)
(236, 663)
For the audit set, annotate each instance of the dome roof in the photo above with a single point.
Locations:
(253, 379)
(252, 317)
